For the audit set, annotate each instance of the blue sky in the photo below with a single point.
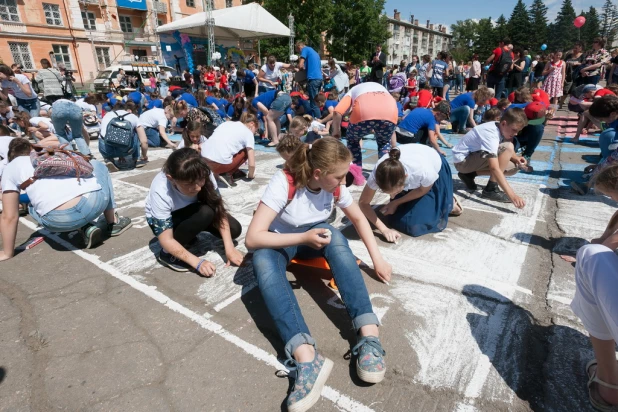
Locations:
(449, 11)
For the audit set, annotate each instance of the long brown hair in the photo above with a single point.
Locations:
(187, 165)
(390, 174)
(190, 127)
(325, 154)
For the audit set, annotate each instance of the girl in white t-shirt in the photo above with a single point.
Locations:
(151, 130)
(290, 225)
(420, 185)
(192, 136)
(59, 204)
(40, 128)
(183, 201)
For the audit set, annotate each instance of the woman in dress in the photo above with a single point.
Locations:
(554, 73)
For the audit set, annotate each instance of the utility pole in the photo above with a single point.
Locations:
(292, 33)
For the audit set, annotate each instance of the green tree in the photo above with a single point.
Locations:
(501, 30)
(485, 43)
(609, 18)
(538, 25)
(465, 33)
(563, 33)
(592, 28)
(519, 26)
(358, 26)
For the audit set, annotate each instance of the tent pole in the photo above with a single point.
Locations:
(210, 27)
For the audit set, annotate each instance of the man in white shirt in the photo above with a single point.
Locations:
(488, 150)
(270, 75)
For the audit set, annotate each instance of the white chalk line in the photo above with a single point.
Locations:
(341, 401)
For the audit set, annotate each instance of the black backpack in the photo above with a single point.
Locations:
(504, 63)
(119, 132)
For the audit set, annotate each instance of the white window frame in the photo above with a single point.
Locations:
(53, 8)
(101, 61)
(66, 57)
(5, 6)
(127, 20)
(89, 19)
(19, 58)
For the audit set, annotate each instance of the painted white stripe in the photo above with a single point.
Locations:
(341, 401)
(225, 303)
(560, 299)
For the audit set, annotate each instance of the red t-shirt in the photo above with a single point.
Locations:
(493, 102)
(223, 81)
(411, 82)
(424, 98)
(497, 54)
(604, 92)
(209, 78)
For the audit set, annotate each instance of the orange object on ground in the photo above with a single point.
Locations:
(319, 263)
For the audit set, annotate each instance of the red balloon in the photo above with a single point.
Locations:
(579, 21)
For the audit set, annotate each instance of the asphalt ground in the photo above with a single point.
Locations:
(476, 317)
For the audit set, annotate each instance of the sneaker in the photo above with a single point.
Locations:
(309, 379)
(168, 260)
(239, 174)
(370, 365)
(496, 195)
(118, 228)
(580, 188)
(111, 166)
(141, 163)
(468, 180)
(93, 235)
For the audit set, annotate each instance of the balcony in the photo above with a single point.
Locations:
(159, 7)
(90, 2)
(12, 27)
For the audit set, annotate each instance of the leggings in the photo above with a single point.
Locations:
(189, 221)
(382, 130)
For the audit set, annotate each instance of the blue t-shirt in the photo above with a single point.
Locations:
(266, 99)
(528, 61)
(156, 103)
(399, 109)
(249, 76)
(212, 100)
(518, 106)
(465, 99)
(313, 66)
(304, 104)
(189, 98)
(330, 103)
(437, 77)
(136, 97)
(417, 119)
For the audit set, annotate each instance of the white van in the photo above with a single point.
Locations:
(107, 76)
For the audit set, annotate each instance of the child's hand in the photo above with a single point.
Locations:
(389, 209)
(518, 202)
(317, 238)
(383, 269)
(234, 257)
(391, 235)
(207, 269)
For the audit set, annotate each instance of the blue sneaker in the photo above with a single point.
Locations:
(310, 378)
(370, 365)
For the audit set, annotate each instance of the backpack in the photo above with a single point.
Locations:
(214, 117)
(504, 63)
(119, 132)
(57, 162)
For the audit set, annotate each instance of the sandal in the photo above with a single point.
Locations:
(593, 390)
(458, 204)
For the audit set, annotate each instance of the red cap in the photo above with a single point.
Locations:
(604, 92)
(493, 102)
(512, 97)
(540, 96)
(535, 112)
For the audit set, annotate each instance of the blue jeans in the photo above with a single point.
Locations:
(32, 106)
(154, 137)
(270, 266)
(607, 138)
(89, 208)
(63, 113)
(163, 89)
(112, 152)
(530, 137)
(313, 88)
(496, 82)
(591, 79)
(461, 82)
(460, 116)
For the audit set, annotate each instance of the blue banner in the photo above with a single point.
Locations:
(132, 4)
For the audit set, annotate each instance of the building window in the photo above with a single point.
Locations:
(8, 10)
(52, 14)
(61, 54)
(190, 3)
(21, 55)
(103, 57)
(125, 24)
(90, 21)
(159, 22)
(229, 3)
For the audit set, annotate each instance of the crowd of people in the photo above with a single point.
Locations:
(304, 109)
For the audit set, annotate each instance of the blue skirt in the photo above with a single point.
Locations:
(427, 214)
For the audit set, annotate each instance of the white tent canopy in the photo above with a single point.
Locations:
(250, 21)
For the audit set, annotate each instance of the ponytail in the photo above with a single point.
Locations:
(179, 107)
(325, 154)
(391, 174)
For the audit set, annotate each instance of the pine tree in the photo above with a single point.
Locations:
(519, 26)
(609, 17)
(592, 28)
(485, 42)
(538, 23)
(501, 31)
(564, 33)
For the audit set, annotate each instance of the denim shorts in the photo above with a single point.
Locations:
(281, 103)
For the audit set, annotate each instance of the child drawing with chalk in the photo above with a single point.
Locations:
(290, 223)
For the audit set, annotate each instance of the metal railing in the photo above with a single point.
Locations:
(159, 7)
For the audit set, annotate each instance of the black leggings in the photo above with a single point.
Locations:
(191, 220)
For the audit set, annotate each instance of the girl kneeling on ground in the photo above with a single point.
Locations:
(288, 225)
(183, 201)
(420, 184)
(59, 204)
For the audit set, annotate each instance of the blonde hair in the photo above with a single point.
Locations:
(325, 154)
(247, 118)
(179, 107)
(606, 179)
(299, 124)
(288, 143)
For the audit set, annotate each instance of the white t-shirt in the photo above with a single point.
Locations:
(4, 152)
(153, 118)
(317, 125)
(421, 163)
(272, 75)
(133, 119)
(228, 139)
(182, 142)
(306, 208)
(48, 193)
(86, 106)
(34, 121)
(163, 197)
(8, 115)
(485, 137)
(12, 88)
